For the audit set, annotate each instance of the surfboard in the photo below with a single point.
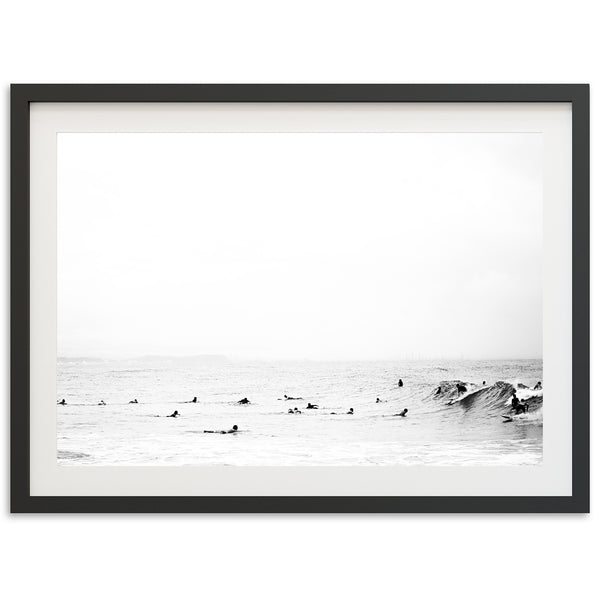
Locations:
(508, 418)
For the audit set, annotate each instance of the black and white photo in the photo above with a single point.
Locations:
(316, 299)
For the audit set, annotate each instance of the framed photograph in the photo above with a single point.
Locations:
(300, 298)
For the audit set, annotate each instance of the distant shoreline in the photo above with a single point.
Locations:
(223, 358)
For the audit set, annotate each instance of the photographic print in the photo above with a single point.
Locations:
(300, 299)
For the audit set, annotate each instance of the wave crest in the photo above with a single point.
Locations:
(496, 396)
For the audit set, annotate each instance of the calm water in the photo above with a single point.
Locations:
(468, 431)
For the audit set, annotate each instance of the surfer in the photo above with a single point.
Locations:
(309, 405)
(400, 383)
(133, 401)
(62, 402)
(101, 403)
(538, 386)
(174, 415)
(402, 414)
(244, 401)
(286, 397)
(483, 383)
(514, 400)
(438, 391)
(350, 412)
(518, 406)
(461, 388)
(194, 400)
(232, 430)
(377, 401)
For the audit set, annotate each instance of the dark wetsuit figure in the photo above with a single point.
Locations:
(133, 402)
(62, 402)
(400, 383)
(514, 401)
(244, 401)
(309, 405)
(195, 400)
(101, 403)
(377, 401)
(175, 414)
(232, 430)
(438, 391)
(460, 388)
(538, 386)
(518, 406)
(402, 414)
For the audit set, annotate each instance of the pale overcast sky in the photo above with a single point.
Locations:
(300, 246)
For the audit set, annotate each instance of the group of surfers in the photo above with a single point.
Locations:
(517, 405)
(234, 429)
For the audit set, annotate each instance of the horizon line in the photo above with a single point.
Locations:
(296, 359)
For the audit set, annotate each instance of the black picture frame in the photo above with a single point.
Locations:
(22, 95)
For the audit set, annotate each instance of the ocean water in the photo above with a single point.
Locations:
(442, 429)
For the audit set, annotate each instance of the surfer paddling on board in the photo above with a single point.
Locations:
(402, 414)
(62, 402)
(309, 405)
(174, 415)
(244, 401)
(538, 386)
(400, 383)
(232, 430)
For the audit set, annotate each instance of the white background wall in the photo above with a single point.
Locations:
(296, 556)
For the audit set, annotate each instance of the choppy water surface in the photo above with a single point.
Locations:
(446, 428)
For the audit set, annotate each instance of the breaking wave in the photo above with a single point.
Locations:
(491, 399)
